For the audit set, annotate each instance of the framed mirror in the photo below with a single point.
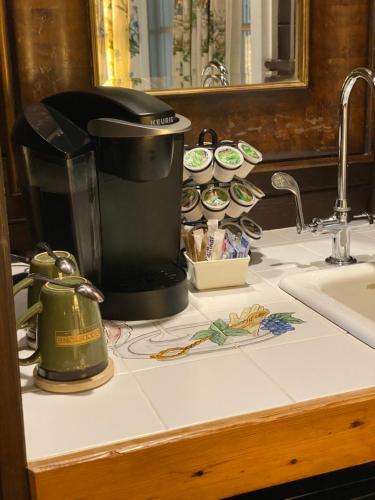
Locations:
(187, 46)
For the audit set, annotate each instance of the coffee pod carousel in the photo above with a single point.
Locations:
(216, 184)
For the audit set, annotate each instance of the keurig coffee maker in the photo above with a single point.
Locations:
(103, 168)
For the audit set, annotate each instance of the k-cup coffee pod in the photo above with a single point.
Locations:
(241, 199)
(257, 192)
(228, 161)
(251, 228)
(215, 201)
(251, 157)
(227, 142)
(233, 227)
(190, 204)
(251, 154)
(198, 162)
(185, 174)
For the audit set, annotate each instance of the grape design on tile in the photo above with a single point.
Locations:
(279, 323)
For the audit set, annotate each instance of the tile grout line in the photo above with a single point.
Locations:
(315, 339)
(164, 424)
(228, 351)
(306, 247)
(132, 375)
(264, 280)
(237, 350)
(367, 237)
(187, 359)
(267, 344)
(269, 377)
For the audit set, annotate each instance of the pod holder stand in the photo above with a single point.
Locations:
(213, 145)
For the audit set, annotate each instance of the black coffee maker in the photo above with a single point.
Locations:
(103, 169)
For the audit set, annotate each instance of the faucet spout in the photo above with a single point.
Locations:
(342, 207)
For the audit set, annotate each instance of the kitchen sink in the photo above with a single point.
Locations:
(344, 295)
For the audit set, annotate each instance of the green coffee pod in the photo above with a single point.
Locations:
(250, 154)
(197, 159)
(228, 157)
(189, 199)
(250, 227)
(215, 198)
(241, 194)
(233, 227)
(257, 192)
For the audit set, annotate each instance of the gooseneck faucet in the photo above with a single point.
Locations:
(369, 77)
(342, 221)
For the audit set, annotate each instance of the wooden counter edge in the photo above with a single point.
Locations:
(219, 458)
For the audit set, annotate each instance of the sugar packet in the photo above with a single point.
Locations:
(212, 226)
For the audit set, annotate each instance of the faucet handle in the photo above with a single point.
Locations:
(284, 181)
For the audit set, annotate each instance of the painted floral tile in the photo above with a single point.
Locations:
(252, 325)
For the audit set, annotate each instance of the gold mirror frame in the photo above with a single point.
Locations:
(302, 58)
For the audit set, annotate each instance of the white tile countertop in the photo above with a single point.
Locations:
(243, 375)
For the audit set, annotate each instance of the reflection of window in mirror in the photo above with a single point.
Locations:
(172, 44)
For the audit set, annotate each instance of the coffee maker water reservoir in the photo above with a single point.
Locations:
(103, 169)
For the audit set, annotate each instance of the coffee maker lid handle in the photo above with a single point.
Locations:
(112, 127)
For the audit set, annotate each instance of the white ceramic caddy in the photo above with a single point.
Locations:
(205, 275)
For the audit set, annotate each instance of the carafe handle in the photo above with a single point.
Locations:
(28, 314)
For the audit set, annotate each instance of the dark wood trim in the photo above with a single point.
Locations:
(13, 475)
(221, 458)
(302, 163)
(371, 107)
(8, 98)
(370, 94)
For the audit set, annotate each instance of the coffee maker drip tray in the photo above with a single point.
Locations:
(153, 279)
(156, 293)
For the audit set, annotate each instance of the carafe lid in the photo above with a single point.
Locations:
(45, 130)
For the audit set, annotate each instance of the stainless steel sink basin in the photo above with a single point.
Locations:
(344, 295)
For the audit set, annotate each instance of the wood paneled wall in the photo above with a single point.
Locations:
(13, 473)
(294, 128)
(50, 52)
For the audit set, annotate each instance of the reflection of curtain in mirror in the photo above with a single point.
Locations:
(112, 39)
(200, 34)
(160, 22)
(139, 48)
(122, 43)
(233, 33)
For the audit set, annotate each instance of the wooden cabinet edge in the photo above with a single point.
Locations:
(221, 458)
